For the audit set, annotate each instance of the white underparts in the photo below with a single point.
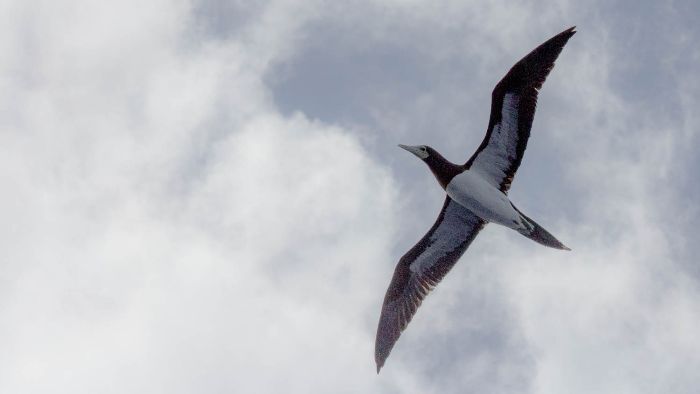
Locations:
(455, 227)
(495, 159)
(473, 192)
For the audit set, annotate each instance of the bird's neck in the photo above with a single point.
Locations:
(443, 169)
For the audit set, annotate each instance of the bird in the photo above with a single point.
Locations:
(476, 194)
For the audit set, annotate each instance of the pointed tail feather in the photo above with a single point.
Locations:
(538, 234)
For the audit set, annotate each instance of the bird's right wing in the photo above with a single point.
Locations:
(421, 269)
(513, 103)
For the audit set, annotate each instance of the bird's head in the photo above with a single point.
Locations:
(422, 151)
(443, 170)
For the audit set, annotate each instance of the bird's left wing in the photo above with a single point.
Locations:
(513, 105)
(421, 269)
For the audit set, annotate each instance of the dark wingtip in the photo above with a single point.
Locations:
(558, 244)
(564, 36)
(562, 247)
(570, 31)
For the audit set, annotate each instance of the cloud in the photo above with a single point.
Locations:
(165, 219)
(610, 188)
(199, 197)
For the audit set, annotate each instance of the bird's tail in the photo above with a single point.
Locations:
(538, 234)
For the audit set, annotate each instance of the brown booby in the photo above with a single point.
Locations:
(476, 194)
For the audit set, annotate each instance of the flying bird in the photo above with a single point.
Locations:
(477, 194)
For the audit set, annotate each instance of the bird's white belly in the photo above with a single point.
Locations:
(471, 191)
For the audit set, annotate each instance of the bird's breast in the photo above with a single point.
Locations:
(473, 192)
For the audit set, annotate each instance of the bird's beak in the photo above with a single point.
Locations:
(413, 149)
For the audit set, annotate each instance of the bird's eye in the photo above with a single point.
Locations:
(423, 149)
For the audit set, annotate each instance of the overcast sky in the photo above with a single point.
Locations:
(207, 197)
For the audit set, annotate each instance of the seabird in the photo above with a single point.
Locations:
(476, 194)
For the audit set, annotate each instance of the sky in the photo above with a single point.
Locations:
(207, 197)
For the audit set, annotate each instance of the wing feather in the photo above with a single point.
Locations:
(421, 269)
(513, 104)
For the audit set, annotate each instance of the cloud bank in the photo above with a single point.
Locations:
(206, 196)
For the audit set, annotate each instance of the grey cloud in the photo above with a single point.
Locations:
(210, 198)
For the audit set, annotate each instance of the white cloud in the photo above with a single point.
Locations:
(169, 230)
